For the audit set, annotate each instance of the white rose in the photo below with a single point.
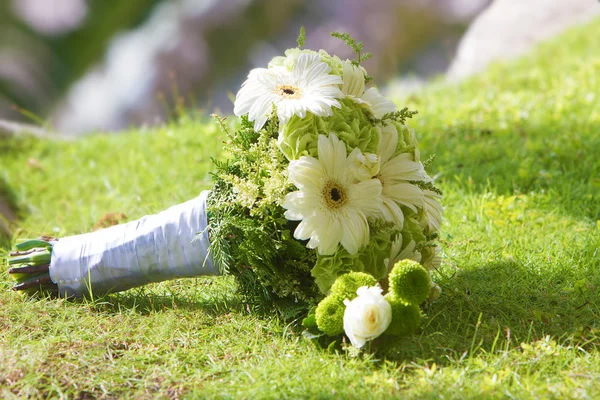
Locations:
(367, 316)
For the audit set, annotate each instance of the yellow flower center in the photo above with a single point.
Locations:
(288, 91)
(371, 319)
(335, 195)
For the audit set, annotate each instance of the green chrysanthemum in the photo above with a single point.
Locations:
(409, 282)
(405, 317)
(345, 286)
(330, 315)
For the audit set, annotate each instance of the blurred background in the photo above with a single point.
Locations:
(77, 66)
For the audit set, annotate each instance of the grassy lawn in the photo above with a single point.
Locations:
(518, 159)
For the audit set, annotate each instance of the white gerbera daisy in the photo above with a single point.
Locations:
(308, 87)
(395, 174)
(331, 203)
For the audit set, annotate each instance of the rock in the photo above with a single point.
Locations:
(509, 28)
(192, 53)
(12, 128)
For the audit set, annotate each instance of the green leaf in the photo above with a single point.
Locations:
(301, 37)
(310, 321)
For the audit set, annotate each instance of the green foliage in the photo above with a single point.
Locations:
(301, 37)
(250, 237)
(399, 116)
(357, 47)
(330, 315)
(412, 230)
(409, 282)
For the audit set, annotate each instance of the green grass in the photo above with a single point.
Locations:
(517, 155)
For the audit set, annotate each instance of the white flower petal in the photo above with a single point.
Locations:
(363, 166)
(433, 209)
(379, 105)
(366, 196)
(307, 228)
(356, 232)
(306, 173)
(330, 233)
(332, 154)
(388, 142)
(354, 79)
(299, 205)
(402, 168)
(392, 212)
(406, 194)
(409, 253)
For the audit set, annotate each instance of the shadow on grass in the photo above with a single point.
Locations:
(497, 307)
(207, 295)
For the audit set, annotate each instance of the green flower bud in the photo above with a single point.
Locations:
(405, 317)
(427, 254)
(345, 286)
(330, 315)
(434, 292)
(410, 282)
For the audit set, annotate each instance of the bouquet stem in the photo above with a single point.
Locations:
(169, 245)
(30, 266)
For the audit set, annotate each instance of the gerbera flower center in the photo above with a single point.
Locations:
(335, 195)
(288, 91)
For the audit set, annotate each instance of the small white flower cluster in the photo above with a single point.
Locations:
(344, 185)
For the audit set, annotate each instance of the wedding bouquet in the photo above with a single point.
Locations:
(324, 210)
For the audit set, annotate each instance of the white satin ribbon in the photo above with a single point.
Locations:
(168, 245)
